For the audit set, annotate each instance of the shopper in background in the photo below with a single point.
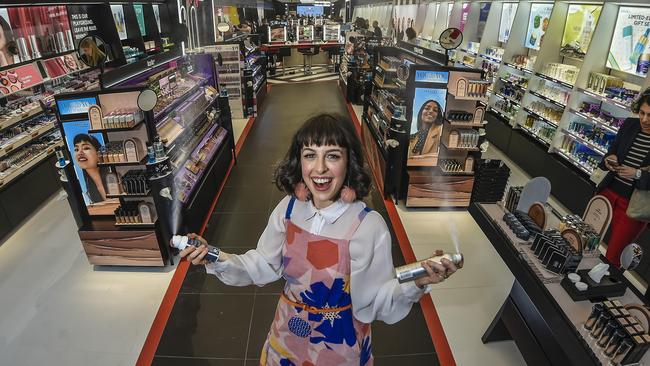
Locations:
(86, 155)
(625, 159)
(334, 252)
(410, 34)
(91, 54)
(8, 48)
(376, 29)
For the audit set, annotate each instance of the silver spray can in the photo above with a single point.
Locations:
(181, 242)
(415, 270)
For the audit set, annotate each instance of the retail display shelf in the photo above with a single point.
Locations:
(539, 117)
(554, 80)
(386, 86)
(544, 97)
(490, 58)
(180, 99)
(10, 175)
(595, 121)
(259, 87)
(170, 144)
(137, 224)
(478, 99)
(513, 84)
(448, 172)
(158, 161)
(501, 114)
(387, 70)
(230, 62)
(508, 99)
(532, 134)
(469, 52)
(142, 161)
(25, 138)
(603, 98)
(444, 143)
(256, 70)
(462, 63)
(15, 65)
(573, 161)
(379, 108)
(463, 124)
(121, 129)
(520, 68)
(127, 195)
(375, 134)
(220, 134)
(483, 103)
(35, 112)
(596, 148)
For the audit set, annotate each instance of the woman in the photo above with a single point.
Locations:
(92, 55)
(426, 141)
(333, 251)
(8, 48)
(86, 155)
(627, 160)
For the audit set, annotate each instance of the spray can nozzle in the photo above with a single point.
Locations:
(415, 270)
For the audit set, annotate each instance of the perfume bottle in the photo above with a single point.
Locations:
(415, 270)
(181, 242)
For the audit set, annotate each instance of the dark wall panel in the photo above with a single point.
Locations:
(498, 132)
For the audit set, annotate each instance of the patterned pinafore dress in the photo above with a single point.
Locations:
(313, 322)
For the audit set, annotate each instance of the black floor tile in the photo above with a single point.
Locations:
(250, 174)
(207, 326)
(263, 313)
(244, 199)
(410, 360)
(231, 229)
(273, 288)
(255, 362)
(197, 281)
(180, 361)
(408, 336)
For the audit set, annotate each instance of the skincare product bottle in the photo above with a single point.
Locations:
(415, 270)
(640, 47)
(112, 182)
(145, 212)
(181, 242)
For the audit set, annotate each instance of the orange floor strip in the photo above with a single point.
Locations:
(434, 325)
(162, 316)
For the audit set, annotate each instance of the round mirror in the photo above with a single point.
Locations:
(223, 27)
(631, 256)
(147, 100)
(451, 38)
(93, 51)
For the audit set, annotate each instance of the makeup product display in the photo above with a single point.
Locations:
(523, 61)
(132, 54)
(512, 93)
(540, 128)
(594, 135)
(581, 154)
(20, 159)
(181, 242)
(622, 95)
(522, 225)
(121, 118)
(589, 238)
(556, 253)
(596, 112)
(506, 107)
(551, 114)
(18, 110)
(463, 139)
(135, 182)
(390, 62)
(598, 82)
(555, 94)
(512, 199)
(491, 179)
(515, 80)
(494, 52)
(415, 270)
(135, 213)
(451, 166)
(561, 72)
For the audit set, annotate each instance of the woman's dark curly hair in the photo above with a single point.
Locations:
(83, 137)
(643, 98)
(324, 129)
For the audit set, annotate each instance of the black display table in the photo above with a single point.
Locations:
(540, 317)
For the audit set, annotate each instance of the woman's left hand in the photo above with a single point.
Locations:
(437, 272)
(626, 172)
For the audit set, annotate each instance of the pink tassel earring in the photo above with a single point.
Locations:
(301, 192)
(348, 194)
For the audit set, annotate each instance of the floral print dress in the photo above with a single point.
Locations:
(313, 323)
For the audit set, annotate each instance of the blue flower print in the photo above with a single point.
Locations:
(335, 327)
(366, 351)
(286, 362)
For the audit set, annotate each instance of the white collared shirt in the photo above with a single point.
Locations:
(376, 294)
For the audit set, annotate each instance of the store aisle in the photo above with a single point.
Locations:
(213, 324)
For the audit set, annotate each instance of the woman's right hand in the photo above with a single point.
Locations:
(195, 255)
(608, 165)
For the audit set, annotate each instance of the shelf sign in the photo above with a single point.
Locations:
(629, 50)
(19, 78)
(75, 106)
(427, 76)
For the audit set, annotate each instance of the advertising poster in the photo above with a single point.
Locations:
(139, 16)
(156, 14)
(464, 13)
(629, 48)
(507, 17)
(482, 18)
(120, 22)
(426, 126)
(540, 14)
(84, 149)
(579, 28)
(19, 78)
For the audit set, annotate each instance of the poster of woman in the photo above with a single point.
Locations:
(426, 126)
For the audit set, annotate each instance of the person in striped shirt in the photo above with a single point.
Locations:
(627, 160)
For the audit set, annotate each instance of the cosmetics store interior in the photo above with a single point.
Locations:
(487, 129)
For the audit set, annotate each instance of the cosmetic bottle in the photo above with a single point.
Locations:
(415, 270)
(644, 64)
(181, 242)
(639, 47)
(112, 182)
(626, 46)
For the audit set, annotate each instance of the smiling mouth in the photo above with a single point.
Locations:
(321, 183)
(82, 159)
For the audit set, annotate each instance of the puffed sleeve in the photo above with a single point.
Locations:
(261, 265)
(376, 294)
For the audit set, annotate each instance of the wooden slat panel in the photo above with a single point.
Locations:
(122, 248)
(428, 190)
